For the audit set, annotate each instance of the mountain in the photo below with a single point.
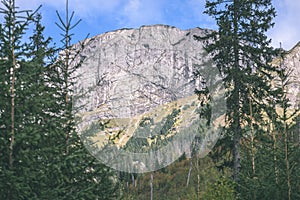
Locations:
(133, 70)
(137, 89)
(137, 92)
(291, 60)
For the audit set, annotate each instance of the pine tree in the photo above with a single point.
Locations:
(285, 124)
(18, 138)
(277, 153)
(81, 175)
(41, 155)
(242, 52)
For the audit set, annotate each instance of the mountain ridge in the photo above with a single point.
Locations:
(129, 72)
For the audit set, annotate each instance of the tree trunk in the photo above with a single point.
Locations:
(275, 157)
(252, 135)
(151, 186)
(189, 173)
(236, 95)
(237, 132)
(67, 59)
(13, 79)
(236, 164)
(287, 161)
(133, 180)
(286, 137)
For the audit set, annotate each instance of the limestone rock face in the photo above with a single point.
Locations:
(292, 62)
(138, 102)
(139, 79)
(131, 71)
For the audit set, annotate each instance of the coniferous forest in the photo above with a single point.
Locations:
(42, 156)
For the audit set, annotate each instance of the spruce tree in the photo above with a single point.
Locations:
(285, 125)
(277, 154)
(81, 175)
(41, 155)
(242, 52)
(18, 137)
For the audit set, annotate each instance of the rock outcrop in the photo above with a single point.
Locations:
(134, 70)
(133, 76)
(134, 80)
(291, 61)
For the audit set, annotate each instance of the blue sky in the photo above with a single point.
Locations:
(99, 16)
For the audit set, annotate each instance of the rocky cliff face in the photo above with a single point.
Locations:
(292, 62)
(134, 70)
(141, 83)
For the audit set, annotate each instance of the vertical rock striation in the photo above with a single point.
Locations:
(131, 71)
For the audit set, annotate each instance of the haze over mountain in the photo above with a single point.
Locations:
(132, 75)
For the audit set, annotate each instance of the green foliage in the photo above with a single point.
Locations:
(242, 52)
(273, 175)
(147, 130)
(41, 155)
(170, 182)
(270, 178)
(221, 189)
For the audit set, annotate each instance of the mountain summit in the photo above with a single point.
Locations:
(139, 90)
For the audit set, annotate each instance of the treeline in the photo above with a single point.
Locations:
(41, 156)
(257, 156)
(261, 125)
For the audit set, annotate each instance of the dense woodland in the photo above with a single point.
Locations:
(42, 157)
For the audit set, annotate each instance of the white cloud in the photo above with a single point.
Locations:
(140, 12)
(93, 8)
(33, 4)
(287, 24)
(83, 8)
(130, 13)
(198, 7)
(113, 14)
